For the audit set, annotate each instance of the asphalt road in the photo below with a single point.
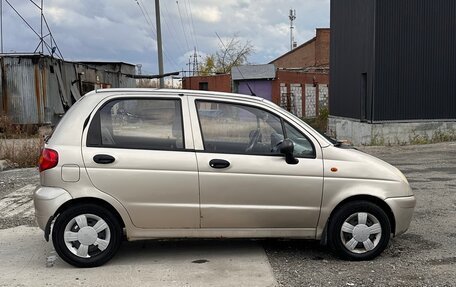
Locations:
(424, 256)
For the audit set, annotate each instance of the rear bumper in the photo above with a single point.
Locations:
(47, 200)
(402, 208)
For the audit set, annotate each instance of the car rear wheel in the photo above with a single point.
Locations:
(359, 230)
(86, 235)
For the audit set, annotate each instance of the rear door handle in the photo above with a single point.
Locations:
(219, 163)
(103, 158)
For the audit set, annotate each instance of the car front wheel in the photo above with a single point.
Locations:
(86, 235)
(359, 230)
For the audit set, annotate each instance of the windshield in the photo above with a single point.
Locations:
(332, 140)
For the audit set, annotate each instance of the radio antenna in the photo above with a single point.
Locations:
(292, 17)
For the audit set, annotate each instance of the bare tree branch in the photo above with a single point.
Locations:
(234, 52)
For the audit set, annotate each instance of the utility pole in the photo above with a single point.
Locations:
(42, 40)
(1, 25)
(292, 17)
(159, 43)
(189, 66)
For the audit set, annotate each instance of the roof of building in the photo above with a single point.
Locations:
(298, 47)
(35, 55)
(294, 50)
(104, 63)
(252, 72)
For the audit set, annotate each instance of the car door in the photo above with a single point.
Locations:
(140, 151)
(244, 181)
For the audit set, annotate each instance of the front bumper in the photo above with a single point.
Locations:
(402, 208)
(47, 200)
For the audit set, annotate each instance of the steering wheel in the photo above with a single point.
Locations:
(254, 137)
(276, 140)
(275, 148)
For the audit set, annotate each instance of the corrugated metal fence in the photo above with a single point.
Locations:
(36, 89)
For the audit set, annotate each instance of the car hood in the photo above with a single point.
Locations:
(352, 163)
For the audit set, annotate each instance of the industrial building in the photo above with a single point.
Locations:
(297, 80)
(393, 70)
(38, 89)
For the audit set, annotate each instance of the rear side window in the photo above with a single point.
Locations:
(138, 124)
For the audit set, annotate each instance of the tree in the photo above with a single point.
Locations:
(208, 66)
(234, 52)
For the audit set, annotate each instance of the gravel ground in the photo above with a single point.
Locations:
(424, 256)
(15, 208)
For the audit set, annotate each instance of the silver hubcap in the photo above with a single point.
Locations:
(87, 235)
(361, 232)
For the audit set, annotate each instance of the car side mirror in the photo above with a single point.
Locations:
(286, 148)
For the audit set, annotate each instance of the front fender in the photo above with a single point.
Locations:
(337, 190)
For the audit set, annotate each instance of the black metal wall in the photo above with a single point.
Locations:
(393, 59)
(351, 56)
(415, 60)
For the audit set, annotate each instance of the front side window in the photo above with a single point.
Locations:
(241, 129)
(302, 146)
(138, 123)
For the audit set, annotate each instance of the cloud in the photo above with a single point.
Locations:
(122, 30)
(208, 14)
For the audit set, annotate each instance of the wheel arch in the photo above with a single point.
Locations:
(362, 197)
(91, 200)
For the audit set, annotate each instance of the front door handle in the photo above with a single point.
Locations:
(103, 159)
(219, 163)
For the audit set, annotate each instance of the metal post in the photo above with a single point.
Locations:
(42, 40)
(1, 25)
(159, 43)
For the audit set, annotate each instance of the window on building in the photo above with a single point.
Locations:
(203, 86)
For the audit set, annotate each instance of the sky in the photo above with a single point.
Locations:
(124, 30)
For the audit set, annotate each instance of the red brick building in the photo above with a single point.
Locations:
(218, 83)
(302, 93)
(313, 53)
(300, 84)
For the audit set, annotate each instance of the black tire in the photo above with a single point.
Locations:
(375, 215)
(95, 256)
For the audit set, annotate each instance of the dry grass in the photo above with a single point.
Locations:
(18, 145)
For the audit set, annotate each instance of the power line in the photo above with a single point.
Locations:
(171, 33)
(149, 21)
(193, 25)
(192, 33)
(148, 16)
(182, 24)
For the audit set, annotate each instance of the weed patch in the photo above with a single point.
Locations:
(19, 146)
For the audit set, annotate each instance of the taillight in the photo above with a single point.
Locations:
(49, 158)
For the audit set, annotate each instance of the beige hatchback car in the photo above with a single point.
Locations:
(154, 163)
